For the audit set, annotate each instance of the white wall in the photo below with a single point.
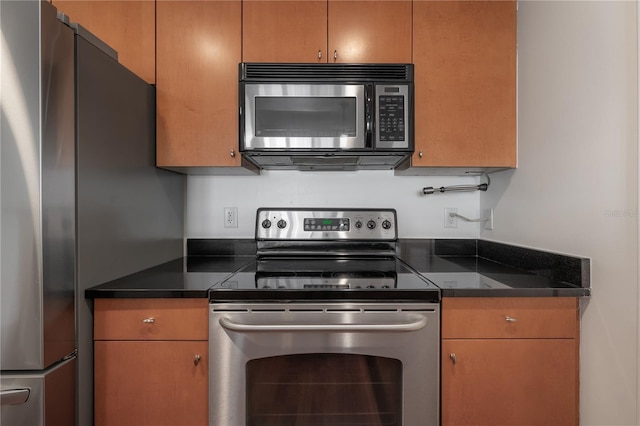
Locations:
(576, 187)
(419, 216)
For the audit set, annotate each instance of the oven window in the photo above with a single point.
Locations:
(324, 389)
(305, 117)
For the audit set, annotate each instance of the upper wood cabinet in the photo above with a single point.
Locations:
(465, 83)
(284, 31)
(327, 31)
(369, 31)
(126, 26)
(198, 50)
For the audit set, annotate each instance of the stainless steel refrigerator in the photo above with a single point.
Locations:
(81, 203)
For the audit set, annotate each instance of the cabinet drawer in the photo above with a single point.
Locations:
(496, 318)
(151, 319)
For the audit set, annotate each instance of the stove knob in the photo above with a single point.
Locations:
(358, 224)
(266, 224)
(386, 224)
(371, 286)
(282, 224)
(371, 224)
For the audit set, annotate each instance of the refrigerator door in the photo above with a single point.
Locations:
(43, 399)
(37, 219)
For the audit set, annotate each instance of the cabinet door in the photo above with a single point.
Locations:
(465, 83)
(284, 31)
(126, 26)
(369, 31)
(523, 382)
(198, 51)
(151, 383)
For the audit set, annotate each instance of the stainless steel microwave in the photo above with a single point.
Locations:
(326, 116)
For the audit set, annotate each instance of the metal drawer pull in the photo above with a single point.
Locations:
(232, 153)
(149, 320)
(14, 396)
(196, 359)
(319, 54)
(510, 319)
(410, 326)
(453, 357)
(335, 55)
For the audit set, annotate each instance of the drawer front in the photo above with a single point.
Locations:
(522, 317)
(151, 319)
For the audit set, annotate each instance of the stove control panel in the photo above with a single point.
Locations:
(326, 224)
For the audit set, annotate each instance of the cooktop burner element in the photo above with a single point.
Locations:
(326, 254)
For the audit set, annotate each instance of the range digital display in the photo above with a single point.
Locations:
(326, 224)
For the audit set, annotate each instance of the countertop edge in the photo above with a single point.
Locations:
(244, 249)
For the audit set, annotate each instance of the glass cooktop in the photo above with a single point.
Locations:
(301, 278)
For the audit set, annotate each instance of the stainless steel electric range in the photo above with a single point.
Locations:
(326, 327)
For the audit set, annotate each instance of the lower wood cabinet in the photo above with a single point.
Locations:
(151, 383)
(515, 364)
(147, 371)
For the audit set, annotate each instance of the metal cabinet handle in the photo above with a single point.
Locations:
(233, 153)
(196, 360)
(453, 357)
(319, 54)
(335, 55)
(149, 320)
(409, 326)
(420, 153)
(510, 319)
(14, 396)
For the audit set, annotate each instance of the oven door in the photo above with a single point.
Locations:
(340, 364)
(303, 117)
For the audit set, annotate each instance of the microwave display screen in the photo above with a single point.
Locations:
(305, 117)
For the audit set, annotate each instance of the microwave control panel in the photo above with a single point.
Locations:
(392, 116)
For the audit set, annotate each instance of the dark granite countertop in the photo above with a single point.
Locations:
(184, 277)
(460, 267)
(480, 268)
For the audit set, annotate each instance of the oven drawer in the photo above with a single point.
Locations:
(151, 319)
(497, 317)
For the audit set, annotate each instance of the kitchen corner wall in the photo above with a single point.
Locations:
(419, 216)
(576, 188)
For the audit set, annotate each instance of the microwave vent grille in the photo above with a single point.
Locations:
(324, 72)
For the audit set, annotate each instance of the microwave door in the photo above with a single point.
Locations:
(304, 117)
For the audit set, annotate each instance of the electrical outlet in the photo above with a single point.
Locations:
(450, 218)
(488, 215)
(230, 217)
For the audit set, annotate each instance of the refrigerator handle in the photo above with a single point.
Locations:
(14, 396)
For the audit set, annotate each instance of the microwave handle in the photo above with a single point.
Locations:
(368, 114)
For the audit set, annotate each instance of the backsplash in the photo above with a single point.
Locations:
(419, 216)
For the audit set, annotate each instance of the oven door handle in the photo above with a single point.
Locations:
(402, 327)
